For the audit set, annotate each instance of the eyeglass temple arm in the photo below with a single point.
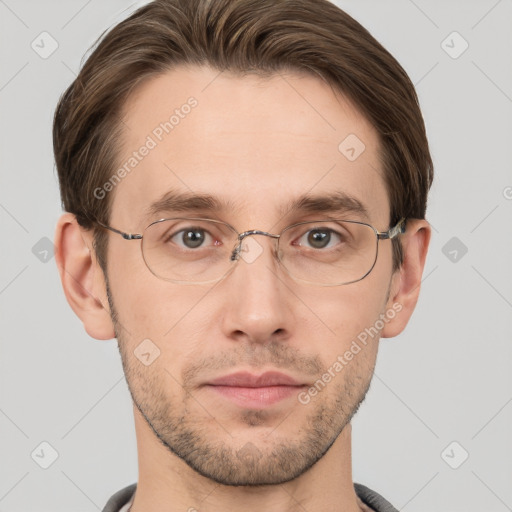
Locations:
(126, 236)
(394, 231)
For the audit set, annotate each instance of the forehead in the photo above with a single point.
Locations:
(254, 143)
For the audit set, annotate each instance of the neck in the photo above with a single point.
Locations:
(167, 483)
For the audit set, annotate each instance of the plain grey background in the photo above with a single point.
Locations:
(442, 390)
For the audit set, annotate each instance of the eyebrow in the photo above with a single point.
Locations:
(337, 202)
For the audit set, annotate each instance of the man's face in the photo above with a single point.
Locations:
(257, 144)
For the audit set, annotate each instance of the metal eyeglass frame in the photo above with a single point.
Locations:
(397, 229)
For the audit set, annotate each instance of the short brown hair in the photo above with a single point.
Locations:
(241, 36)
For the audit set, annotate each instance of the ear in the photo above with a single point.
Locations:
(82, 277)
(406, 281)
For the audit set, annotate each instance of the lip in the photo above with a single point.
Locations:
(255, 391)
(249, 380)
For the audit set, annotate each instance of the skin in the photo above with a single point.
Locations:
(257, 143)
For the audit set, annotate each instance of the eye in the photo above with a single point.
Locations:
(320, 238)
(192, 238)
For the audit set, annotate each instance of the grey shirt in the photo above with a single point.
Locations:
(374, 501)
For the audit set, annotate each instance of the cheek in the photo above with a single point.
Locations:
(149, 308)
(350, 317)
(347, 310)
(142, 301)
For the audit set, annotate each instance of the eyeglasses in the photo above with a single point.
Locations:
(199, 251)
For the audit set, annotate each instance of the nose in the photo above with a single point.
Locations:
(257, 304)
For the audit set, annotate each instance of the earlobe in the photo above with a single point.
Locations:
(406, 283)
(82, 278)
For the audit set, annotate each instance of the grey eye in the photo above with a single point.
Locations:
(319, 238)
(191, 237)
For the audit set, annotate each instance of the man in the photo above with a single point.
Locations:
(245, 186)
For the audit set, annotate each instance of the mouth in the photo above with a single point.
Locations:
(255, 391)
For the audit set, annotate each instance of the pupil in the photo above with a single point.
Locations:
(318, 238)
(193, 238)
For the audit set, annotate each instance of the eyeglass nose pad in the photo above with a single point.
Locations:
(251, 249)
(235, 255)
